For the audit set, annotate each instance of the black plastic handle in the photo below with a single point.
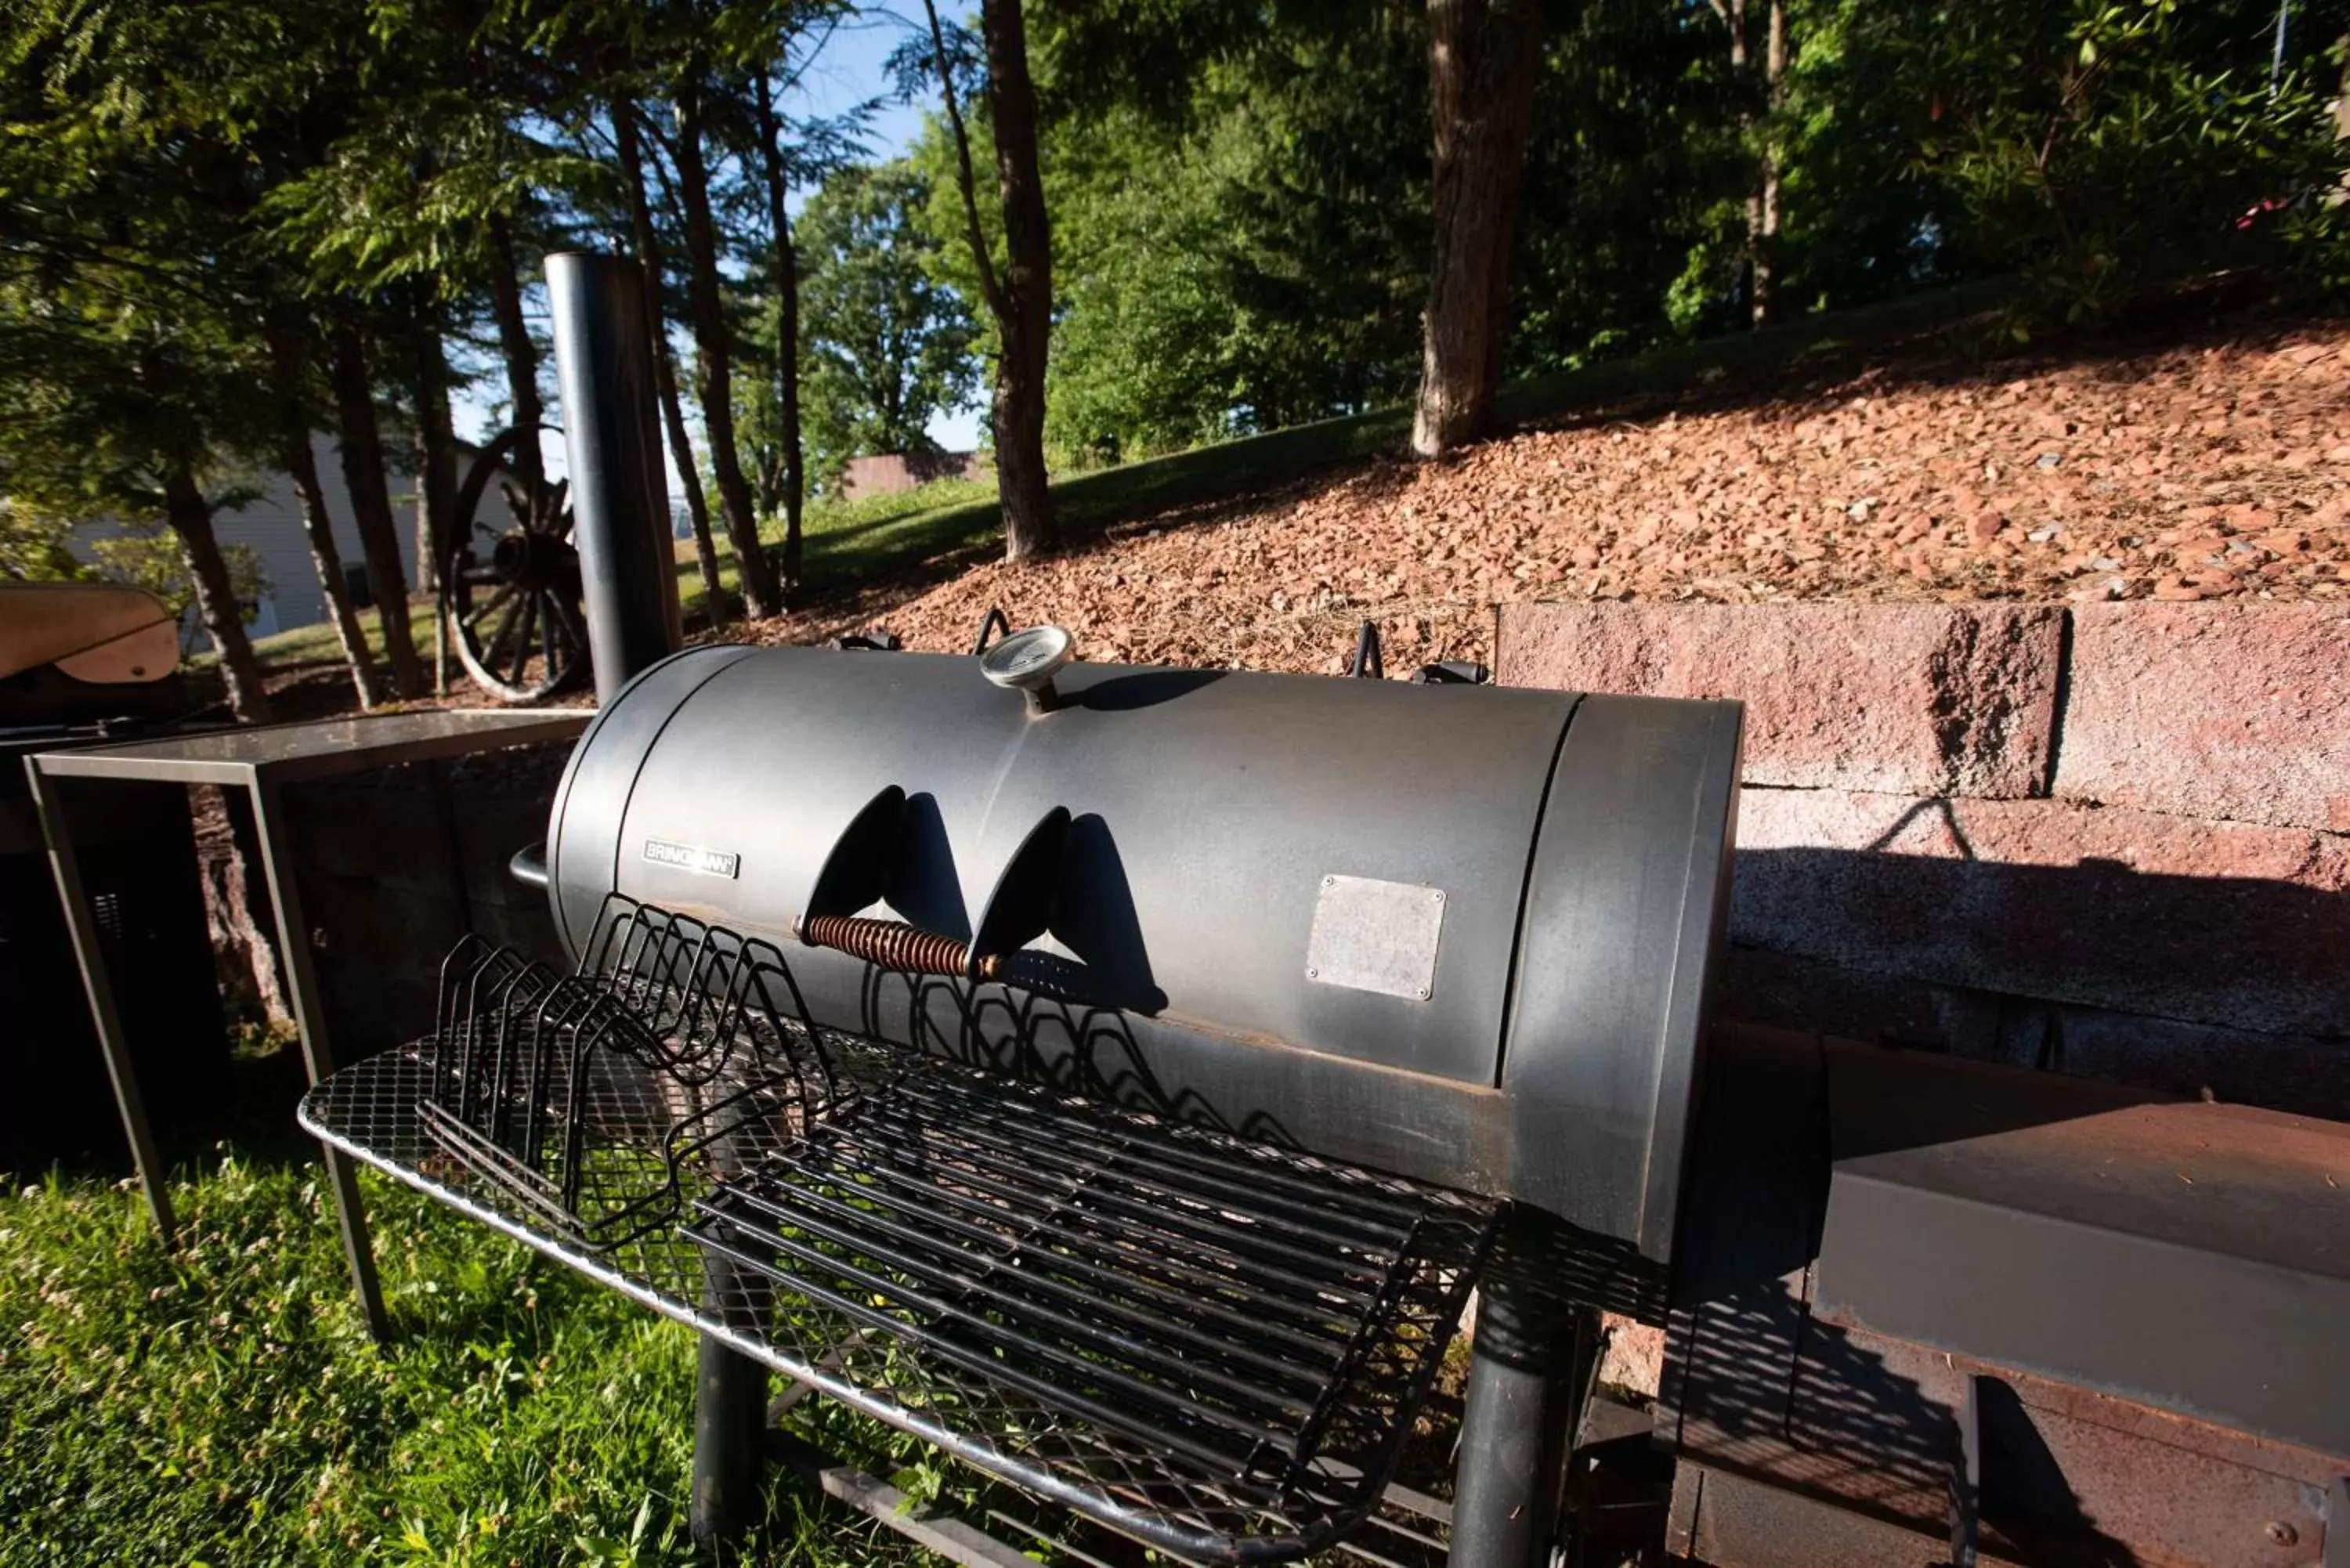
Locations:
(528, 866)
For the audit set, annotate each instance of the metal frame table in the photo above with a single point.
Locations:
(260, 762)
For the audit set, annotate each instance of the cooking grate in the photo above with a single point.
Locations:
(584, 1096)
(1212, 1344)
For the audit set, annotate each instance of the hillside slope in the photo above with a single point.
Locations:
(2203, 472)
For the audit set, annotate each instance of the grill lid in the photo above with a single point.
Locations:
(1458, 933)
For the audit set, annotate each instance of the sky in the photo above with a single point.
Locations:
(851, 67)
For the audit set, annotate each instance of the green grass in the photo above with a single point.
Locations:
(223, 1405)
(319, 644)
(845, 542)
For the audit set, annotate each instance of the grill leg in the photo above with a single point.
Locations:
(730, 1395)
(730, 1424)
(1532, 1357)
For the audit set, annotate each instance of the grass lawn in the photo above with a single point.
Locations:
(224, 1406)
(319, 645)
(844, 541)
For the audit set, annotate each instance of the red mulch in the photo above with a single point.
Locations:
(2208, 471)
(2218, 469)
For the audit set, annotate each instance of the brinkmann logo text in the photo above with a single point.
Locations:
(689, 858)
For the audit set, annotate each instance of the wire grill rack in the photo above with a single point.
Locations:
(1213, 1345)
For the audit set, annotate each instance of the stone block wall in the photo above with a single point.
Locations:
(2108, 839)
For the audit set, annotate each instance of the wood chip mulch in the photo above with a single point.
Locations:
(2214, 470)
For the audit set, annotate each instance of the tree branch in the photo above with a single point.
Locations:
(988, 285)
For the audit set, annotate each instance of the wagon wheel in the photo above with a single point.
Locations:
(513, 598)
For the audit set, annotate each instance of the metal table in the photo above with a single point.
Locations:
(261, 761)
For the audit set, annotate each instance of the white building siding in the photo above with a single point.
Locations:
(271, 527)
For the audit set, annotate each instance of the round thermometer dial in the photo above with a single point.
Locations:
(1027, 658)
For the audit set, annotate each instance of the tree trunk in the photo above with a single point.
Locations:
(1019, 412)
(680, 443)
(520, 353)
(192, 521)
(325, 557)
(1734, 17)
(1022, 302)
(436, 452)
(1758, 106)
(713, 361)
(1764, 239)
(1484, 57)
(788, 329)
(363, 476)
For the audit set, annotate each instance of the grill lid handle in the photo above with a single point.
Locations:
(992, 623)
(863, 863)
(528, 866)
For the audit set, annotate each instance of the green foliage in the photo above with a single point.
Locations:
(1143, 355)
(1241, 220)
(886, 344)
(1239, 246)
(123, 356)
(1864, 220)
(149, 557)
(1630, 219)
(33, 546)
(2095, 145)
(223, 1404)
(1240, 193)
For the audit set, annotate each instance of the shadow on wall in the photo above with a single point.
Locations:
(2241, 983)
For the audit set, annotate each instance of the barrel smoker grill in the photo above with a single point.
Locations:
(1119, 1078)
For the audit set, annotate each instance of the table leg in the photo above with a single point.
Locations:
(67, 867)
(318, 1052)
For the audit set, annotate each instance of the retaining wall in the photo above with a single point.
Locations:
(2109, 839)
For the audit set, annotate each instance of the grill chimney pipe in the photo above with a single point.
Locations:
(619, 493)
(628, 572)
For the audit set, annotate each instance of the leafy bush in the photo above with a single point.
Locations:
(2099, 145)
(149, 557)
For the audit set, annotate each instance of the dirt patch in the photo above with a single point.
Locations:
(2215, 471)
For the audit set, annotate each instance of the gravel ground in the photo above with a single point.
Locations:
(2213, 471)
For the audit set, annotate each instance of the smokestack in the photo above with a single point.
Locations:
(620, 497)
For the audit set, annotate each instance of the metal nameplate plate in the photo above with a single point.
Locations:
(1377, 936)
(693, 858)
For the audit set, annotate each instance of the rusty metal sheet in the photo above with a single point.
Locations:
(1728, 1520)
